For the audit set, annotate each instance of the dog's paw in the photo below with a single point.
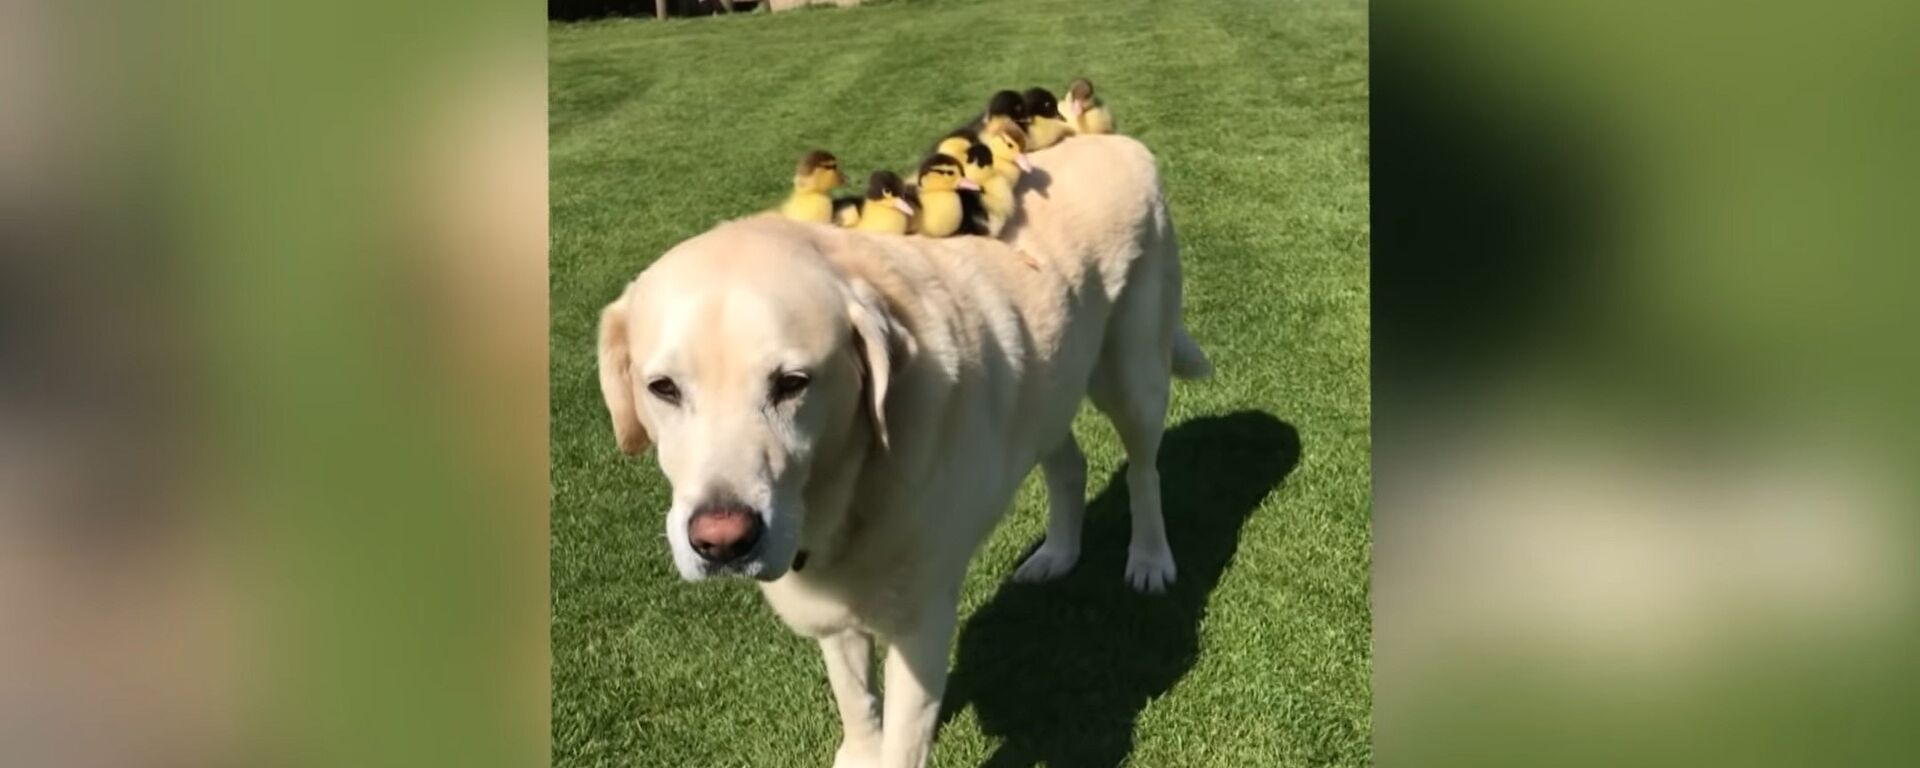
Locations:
(1150, 572)
(862, 754)
(1047, 563)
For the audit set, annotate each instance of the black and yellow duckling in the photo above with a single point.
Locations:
(886, 207)
(1083, 110)
(814, 180)
(1009, 147)
(943, 209)
(996, 191)
(955, 144)
(987, 210)
(1045, 125)
(846, 210)
(1007, 104)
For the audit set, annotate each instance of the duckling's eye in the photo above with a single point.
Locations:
(665, 389)
(787, 385)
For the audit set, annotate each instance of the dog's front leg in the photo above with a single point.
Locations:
(916, 679)
(849, 656)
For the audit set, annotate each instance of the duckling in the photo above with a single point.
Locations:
(941, 212)
(1009, 146)
(1045, 126)
(985, 211)
(1007, 104)
(996, 192)
(885, 208)
(1084, 111)
(974, 219)
(846, 210)
(814, 180)
(955, 144)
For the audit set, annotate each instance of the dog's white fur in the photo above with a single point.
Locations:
(941, 372)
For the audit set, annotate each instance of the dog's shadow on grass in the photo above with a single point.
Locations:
(1060, 671)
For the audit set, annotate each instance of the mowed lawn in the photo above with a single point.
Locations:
(1260, 656)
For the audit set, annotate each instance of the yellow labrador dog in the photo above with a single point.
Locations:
(844, 416)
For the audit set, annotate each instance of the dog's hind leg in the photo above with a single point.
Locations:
(1066, 472)
(1138, 407)
(1131, 385)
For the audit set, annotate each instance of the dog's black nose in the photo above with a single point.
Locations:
(723, 533)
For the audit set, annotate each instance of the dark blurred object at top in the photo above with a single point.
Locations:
(576, 10)
(1487, 212)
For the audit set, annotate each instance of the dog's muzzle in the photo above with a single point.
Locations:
(726, 534)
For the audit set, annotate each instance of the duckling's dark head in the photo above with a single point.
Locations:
(818, 170)
(1081, 89)
(937, 163)
(1040, 103)
(817, 160)
(883, 183)
(939, 173)
(1008, 104)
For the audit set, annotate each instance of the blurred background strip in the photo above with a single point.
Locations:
(272, 384)
(1643, 384)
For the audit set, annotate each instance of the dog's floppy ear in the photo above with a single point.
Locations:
(616, 379)
(879, 341)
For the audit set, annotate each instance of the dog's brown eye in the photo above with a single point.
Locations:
(665, 390)
(787, 385)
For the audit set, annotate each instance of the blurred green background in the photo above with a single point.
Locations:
(1642, 384)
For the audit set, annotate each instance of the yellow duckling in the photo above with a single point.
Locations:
(986, 211)
(1004, 106)
(1045, 125)
(955, 144)
(814, 180)
(1084, 111)
(1009, 147)
(996, 191)
(941, 212)
(885, 208)
(846, 210)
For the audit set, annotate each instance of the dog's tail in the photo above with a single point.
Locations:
(1189, 361)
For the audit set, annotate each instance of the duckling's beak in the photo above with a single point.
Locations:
(971, 185)
(1021, 160)
(902, 206)
(1073, 108)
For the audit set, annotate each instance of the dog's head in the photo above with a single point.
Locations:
(746, 359)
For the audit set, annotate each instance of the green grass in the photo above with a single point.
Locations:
(1257, 111)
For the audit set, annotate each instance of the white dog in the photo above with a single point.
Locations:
(845, 416)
